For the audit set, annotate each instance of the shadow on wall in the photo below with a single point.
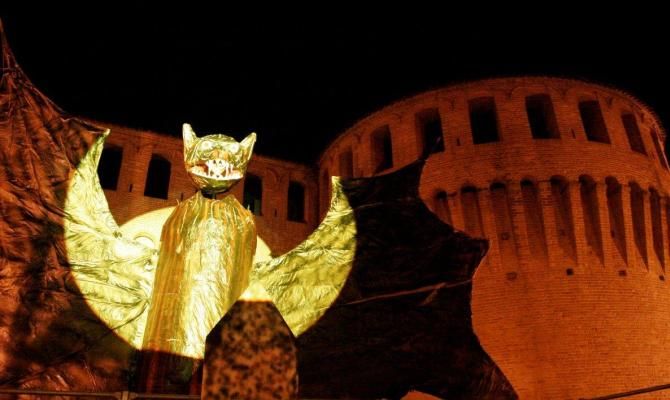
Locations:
(402, 320)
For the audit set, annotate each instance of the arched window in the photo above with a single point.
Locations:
(347, 164)
(296, 202)
(158, 177)
(253, 194)
(541, 117)
(483, 120)
(382, 149)
(633, 133)
(659, 150)
(593, 121)
(429, 127)
(109, 167)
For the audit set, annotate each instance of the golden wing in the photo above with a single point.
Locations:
(304, 282)
(114, 274)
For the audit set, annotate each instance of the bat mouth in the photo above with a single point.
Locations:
(217, 169)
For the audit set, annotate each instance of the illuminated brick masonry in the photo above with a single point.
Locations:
(143, 171)
(569, 182)
(567, 179)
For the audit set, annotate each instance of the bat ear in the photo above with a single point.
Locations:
(189, 137)
(248, 144)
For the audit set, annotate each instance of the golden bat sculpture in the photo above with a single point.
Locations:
(167, 300)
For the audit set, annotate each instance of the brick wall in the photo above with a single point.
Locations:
(563, 309)
(128, 200)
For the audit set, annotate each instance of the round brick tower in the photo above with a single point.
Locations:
(569, 182)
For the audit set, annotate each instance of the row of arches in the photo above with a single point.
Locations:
(252, 198)
(561, 222)
(157, 181)
(485, 127)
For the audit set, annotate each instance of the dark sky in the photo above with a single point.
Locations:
(299, 80)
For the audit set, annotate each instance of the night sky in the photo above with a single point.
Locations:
(298, 81)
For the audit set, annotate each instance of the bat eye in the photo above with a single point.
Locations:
(206, 146)
(234, 148)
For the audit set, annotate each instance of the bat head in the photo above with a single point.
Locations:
(216, 163)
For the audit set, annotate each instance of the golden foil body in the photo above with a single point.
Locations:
(207, 249)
